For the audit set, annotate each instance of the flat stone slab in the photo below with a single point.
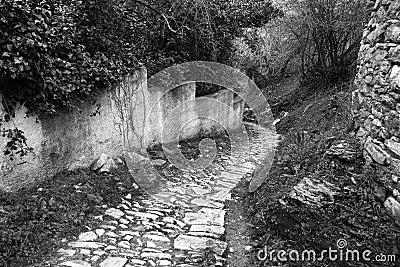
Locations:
(186, 242)
(67, 252)
(217, 230)
(83, 244)
(88, 236)
(164, 263)
(124, 244)
(115, 213)
(199, 191)
(156, 255)
(158, 162)
(229, 176)
(221, 195)
(158, 238)
(206, 216)
(207, 203)
(114, 262)
(145, 215)
(138, 262)
(76, 263)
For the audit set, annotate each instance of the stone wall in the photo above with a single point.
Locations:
(208, 115)
(119, 121)
(66, 141)
(150, 117)
(376, 101)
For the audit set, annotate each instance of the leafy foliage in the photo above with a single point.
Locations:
(267, 51)
(204, 29)
(17, 143)
(56, 52)
(53, 51)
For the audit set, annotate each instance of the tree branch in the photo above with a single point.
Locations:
(157, 11)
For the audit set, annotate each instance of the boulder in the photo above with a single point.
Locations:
(158, 162)
(99, 162)
(377, 34)
(393, 146)
(377, 153)
(342, 150)
(135, 160)
(394, 76)
(393, 207)
(393, 33)
(313, 192)
(103, 164)
(108, 167)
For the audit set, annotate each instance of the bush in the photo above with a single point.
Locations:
(204, 30)
(54, 51)
(327, 34)
(265, 51)
(319, 38)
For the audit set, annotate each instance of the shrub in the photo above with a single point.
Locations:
(54, 51)
(204, 30)
(266, 51)
(320, 38)
(327, 34)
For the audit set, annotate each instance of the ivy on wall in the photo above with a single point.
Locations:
(53, 52)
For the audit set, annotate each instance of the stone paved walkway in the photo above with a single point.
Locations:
(181, 225)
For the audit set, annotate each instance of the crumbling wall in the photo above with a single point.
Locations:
(129, 117)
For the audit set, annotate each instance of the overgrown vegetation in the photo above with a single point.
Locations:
(34, 220)
(320, 38)
(328, 34)
(317, 120)
(54, 53)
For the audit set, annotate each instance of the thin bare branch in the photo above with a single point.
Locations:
(159, 12)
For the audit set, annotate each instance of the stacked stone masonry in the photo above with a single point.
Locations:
(376, 100)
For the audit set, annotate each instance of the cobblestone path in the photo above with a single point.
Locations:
(181, 225)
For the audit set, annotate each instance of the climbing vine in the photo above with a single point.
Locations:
(55, 51)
